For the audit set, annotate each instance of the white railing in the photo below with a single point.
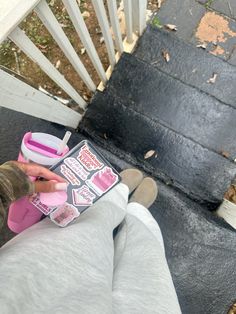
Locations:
(14, 11)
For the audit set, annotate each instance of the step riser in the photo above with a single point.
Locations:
(201, 173)
(182, 108)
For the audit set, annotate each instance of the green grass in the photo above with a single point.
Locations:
(156, 22)
(208, 4)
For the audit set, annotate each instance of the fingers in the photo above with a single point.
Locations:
(49, 186)
(35, 170)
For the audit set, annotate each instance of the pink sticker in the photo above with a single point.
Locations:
(102, 180)
(74, 165)
(46, 210)
(64, 214)
(88, 159)
(83, 196)
(70, 176)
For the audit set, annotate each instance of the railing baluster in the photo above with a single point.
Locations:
(81, 29)
(26, 45)
(128, 20)
(112, 7)
(51, 23)
(103, 22)
(139, 9)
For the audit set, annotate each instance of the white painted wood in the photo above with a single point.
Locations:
(12, 12)
(49, 20)
(26, 45)
(128, 20)
(81, 29)
(139, 10)
(113, 13)
(19, 96)
(103, 22)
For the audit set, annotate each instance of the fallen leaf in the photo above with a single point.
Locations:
(58, 63)
(149, 154)
(212, 80)
(101, 40)
(225, 154)
(166, 55)
(159, 3)
(82, 51)
(203, 46)
(86, 14)
(171, 27)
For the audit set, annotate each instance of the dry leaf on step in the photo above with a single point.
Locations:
(149, 154)
(212, 80)
(225, 154)
(166, 55)
(203, 46)
(171, 27)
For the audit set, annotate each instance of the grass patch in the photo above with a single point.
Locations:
(156, 22)
(208, 4)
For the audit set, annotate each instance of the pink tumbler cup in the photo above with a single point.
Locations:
(43, 149)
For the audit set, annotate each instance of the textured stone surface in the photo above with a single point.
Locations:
(200, 247)
(179, 160)
(227, 7)
(217, 33)
(188, 64)
(180, 107)
(185, 14)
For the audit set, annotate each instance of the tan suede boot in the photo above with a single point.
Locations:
(132, 178)
(146, 193)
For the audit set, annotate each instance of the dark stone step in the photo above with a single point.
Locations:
(180, 107)
(200, 247)
(191, 65)
(197, 171)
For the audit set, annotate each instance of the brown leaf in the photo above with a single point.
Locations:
(212, 80)
(86, 14)
(171, 27)
(166, 55)
(203, 46)
(58, 63)
(149, 154)
(225, 154)
(159, 3)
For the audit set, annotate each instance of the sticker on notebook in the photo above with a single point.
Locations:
(75, 166)
(83, 196)
(88, 159)
(64, 214)
(102, 180)
(69, 175)
(46, 210)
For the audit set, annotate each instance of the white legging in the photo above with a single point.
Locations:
(81, 269)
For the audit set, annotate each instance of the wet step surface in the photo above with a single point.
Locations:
(197, 243)
(199, 172)
(178, 106)
(192, 65)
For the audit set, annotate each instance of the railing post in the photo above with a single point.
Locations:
(104, 24)
(139, 9)
(128, 20)
(112, 7)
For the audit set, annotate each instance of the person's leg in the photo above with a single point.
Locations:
(47, 269)
(142, 283)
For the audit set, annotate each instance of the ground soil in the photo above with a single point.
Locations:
(14, 59)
